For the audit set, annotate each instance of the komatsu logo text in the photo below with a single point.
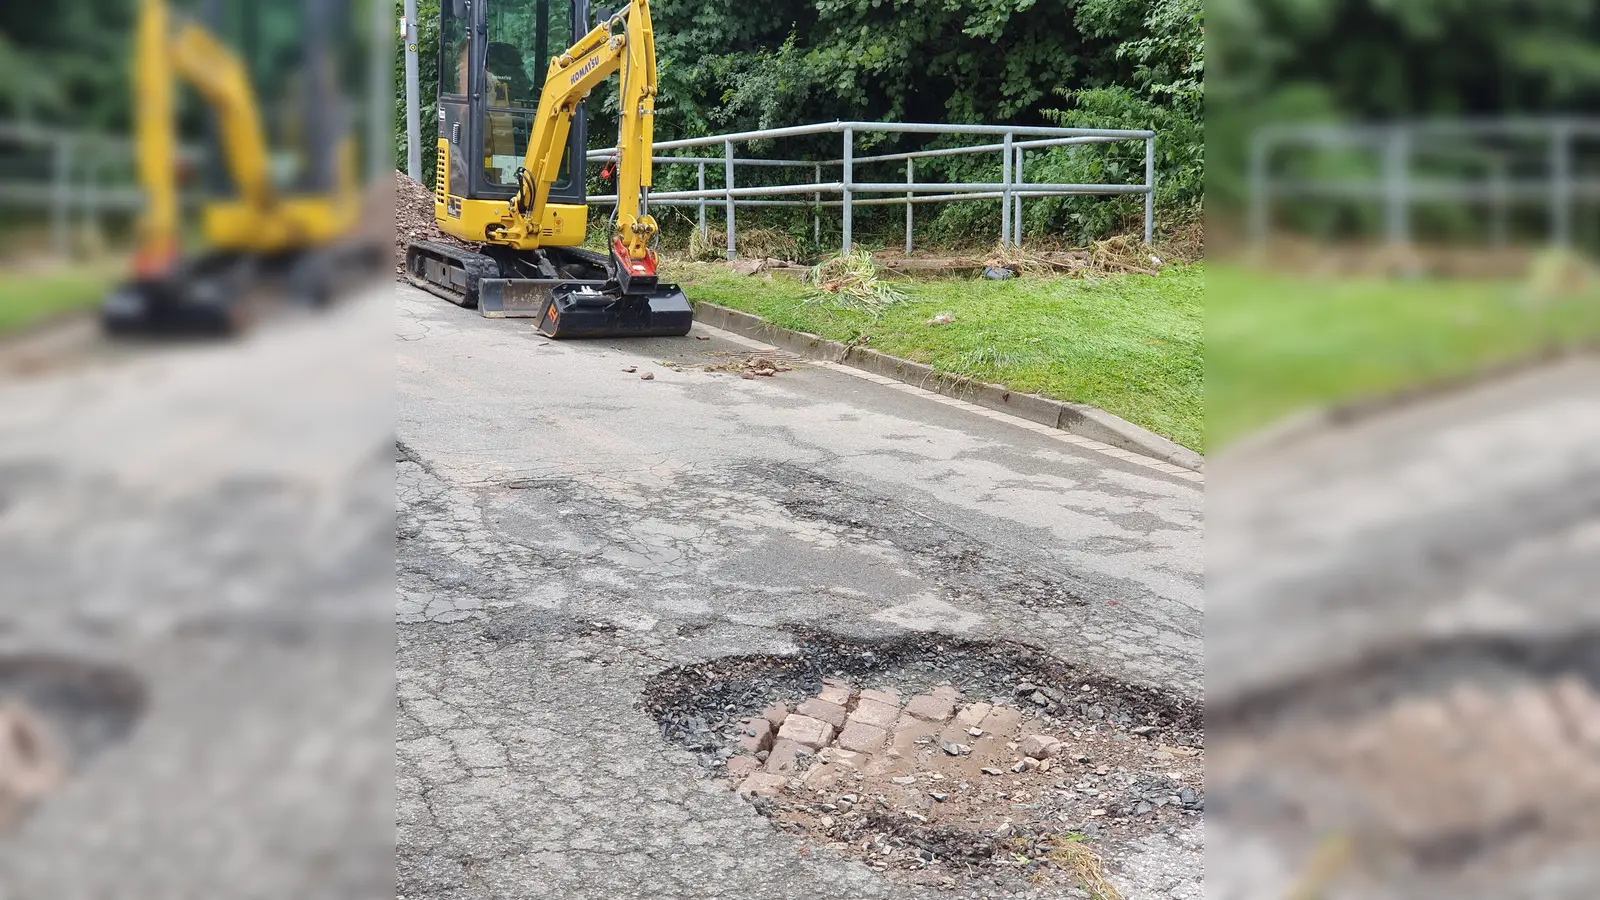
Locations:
(590, 66)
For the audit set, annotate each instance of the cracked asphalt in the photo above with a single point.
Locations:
(564, 530)
(1469, 520)
(213, 523)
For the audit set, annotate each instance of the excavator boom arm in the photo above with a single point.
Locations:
(625, 43)
(163, 54)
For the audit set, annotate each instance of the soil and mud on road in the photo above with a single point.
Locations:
(754, 627)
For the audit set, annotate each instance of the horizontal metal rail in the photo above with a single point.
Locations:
(658, 200)
(609, 154)
(985, 148)
(1525, 190)
(819, 194)
(899, 128)
(605, 156)
(1406, 156)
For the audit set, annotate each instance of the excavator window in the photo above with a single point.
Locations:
(522, 37)
(453, 57)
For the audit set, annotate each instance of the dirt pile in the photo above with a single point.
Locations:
(413, 220)
(751, 367)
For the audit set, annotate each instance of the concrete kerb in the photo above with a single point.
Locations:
(1076, 418)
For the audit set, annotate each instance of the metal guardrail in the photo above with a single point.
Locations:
(74, 177)
(1012, 189)
(82, 177)
(1488, 145)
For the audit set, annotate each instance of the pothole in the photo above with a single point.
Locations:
(941, 761)
(1472, 759)
(56, 714)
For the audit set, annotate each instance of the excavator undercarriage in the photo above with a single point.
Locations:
(568, 290)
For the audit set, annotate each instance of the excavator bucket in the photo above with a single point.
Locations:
(207, 296)
(585, 311)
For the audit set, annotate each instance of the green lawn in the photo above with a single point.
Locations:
(30, 297)
(1129, 344)
(1278, 344)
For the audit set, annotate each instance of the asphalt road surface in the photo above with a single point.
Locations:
(1423, 580)
(195, 586)
(566, 529)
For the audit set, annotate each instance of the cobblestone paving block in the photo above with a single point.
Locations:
(775, 714)
(836, 691)
(972, 716)
(909, 733)
(762, 784)
(1002, 722)
(862, 738)
(886, 697)
(785, 757)
(806, 731)
(848, 758)
(826, 777)
(832, 713)
(755, 736)
(875, 713)
(931, 707)
(739, 767)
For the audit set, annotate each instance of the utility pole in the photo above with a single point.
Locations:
(380, 93)
(408, 34)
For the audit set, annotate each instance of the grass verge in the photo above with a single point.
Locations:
(28, 298)
(1279, 344)
(1130, 345)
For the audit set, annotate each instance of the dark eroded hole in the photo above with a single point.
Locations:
(990, 759)
(56, 714)
(1475, 757)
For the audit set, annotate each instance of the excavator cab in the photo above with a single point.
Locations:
(492, 59)
(512, 140)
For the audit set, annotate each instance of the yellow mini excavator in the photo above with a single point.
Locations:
(511, 170)
(276, 214)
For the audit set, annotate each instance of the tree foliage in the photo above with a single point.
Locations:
(1365, 60)
(66, 63)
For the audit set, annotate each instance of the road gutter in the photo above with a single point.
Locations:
(1080, 419)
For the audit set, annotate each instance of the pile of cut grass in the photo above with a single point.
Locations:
(852, 281)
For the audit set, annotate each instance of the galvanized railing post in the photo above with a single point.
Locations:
(727, 157)
(1561, 184)
(61, 196)
(1397, 173)
(1016, 214)
(1497, 202)
(1150, 190)
(911, 178)
(1005, 201)
(849, 178)
(816, 211)
(702, 202)
(1260, 186)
